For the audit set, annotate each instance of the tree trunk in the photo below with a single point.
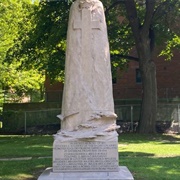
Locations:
(149, 100)
(144, 41)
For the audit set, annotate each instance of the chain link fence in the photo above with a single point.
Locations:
(168, 115)
(22, 121)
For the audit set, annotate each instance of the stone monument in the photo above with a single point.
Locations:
(86, 147)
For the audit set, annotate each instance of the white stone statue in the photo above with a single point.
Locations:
(87, 106)
(86, 147)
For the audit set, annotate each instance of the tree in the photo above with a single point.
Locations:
(19, 83)
(144, 42)
(44, 47)
(15, 20)
(147, 18)
(142, 24)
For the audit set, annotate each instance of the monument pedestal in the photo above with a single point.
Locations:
(86, 160)
(122, 174)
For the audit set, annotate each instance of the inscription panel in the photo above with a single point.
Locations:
(83, 156)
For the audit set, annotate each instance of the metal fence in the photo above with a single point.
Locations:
(40, 117)
(166, 114)
(126, 114)
(20, 121)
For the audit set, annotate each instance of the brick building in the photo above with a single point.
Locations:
(128, 83)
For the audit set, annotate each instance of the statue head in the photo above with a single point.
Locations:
(86, 3)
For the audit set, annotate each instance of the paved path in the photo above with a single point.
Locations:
(24, 158)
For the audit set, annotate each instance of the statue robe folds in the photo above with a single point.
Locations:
(87, 106)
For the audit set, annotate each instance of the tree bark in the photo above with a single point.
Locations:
(149, 97)
(144, 41)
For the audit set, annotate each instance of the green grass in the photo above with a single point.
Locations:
(148, 157)
(148, 145)
(23, 170)
(25, 146)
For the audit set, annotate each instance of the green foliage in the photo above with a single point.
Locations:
(20, 82)
(9, 18)
(171, 45)
(1, 98)
(166, 26)
(13, 15)
(44, 49)
(46, 42)
(120, 36)
(40, 43)
(16, 21)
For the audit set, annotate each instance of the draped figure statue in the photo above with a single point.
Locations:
(87, 106)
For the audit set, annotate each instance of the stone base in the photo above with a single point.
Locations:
(122, 174)
(85, 156)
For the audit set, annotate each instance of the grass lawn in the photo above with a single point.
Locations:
(148, 157)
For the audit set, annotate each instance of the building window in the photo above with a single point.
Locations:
(114, 76)
(138, 76)
(114, 80)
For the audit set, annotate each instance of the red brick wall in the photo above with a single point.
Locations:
(168, 77)
(168, 81)
(126, 86)
(53, 92)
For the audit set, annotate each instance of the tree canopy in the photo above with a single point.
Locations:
(45, 42)
(15, 23)
(44, 47)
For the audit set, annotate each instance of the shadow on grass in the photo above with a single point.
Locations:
(142, 168)
(134, 154)
(145, 138)
(23, 146)
(23, 170)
